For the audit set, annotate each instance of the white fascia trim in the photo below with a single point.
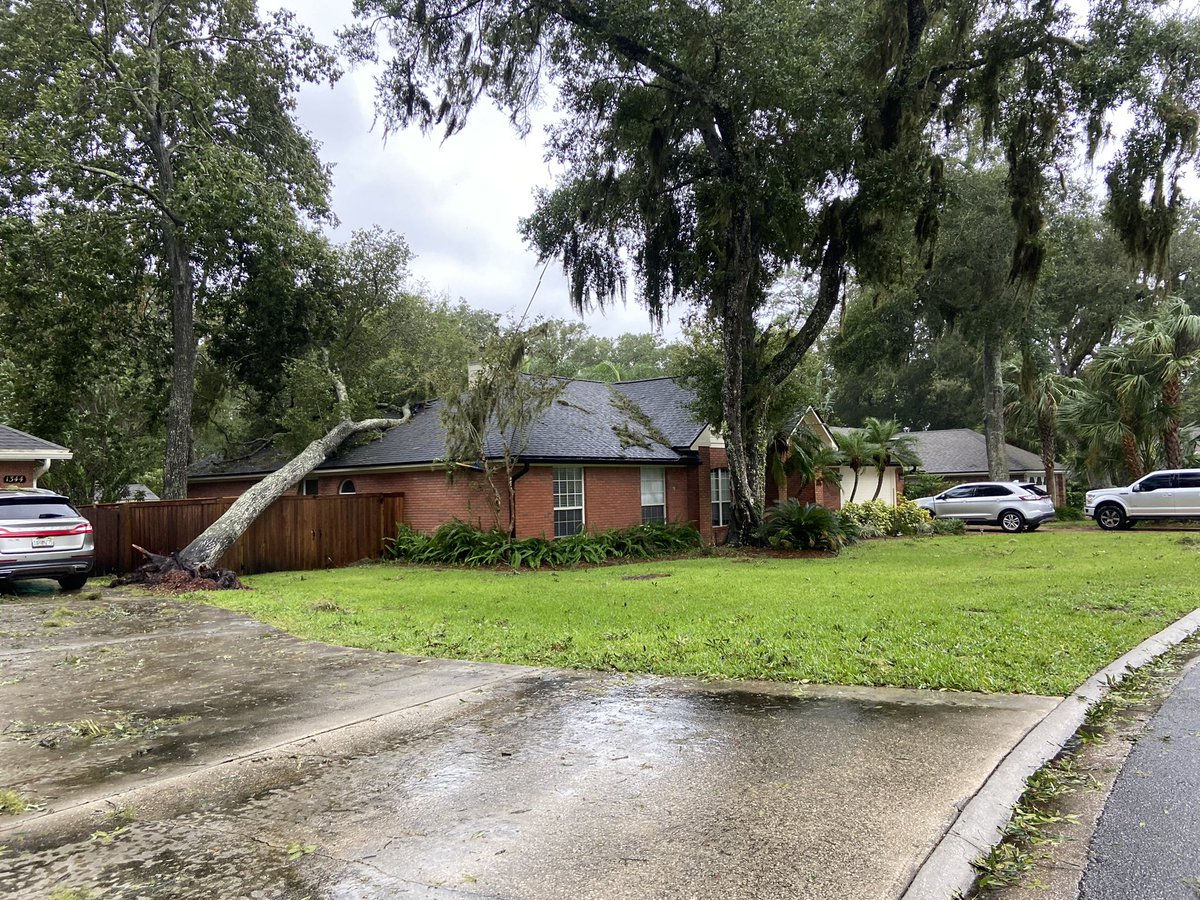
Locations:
(709, 437)
(34, 455)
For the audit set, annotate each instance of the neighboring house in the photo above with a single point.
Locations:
(960, 454)
(132, 493)
(868, 477)
(25, 458)
(602, 456)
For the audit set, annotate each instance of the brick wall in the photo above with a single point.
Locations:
(612, 496)
(18, 474)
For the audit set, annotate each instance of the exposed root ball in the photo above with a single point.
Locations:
(169, 575)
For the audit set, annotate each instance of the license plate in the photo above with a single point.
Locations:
(43, 542)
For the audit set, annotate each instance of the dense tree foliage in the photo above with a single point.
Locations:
(706, 147)
(174, 120)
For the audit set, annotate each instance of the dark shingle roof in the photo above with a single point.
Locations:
(589, 421)
(963, 451)
(14, 441)
(669, 405)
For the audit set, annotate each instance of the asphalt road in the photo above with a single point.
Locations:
(1147, 844)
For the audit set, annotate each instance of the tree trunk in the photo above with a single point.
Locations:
(1172, 396)
(1048, 438)
(854, 487)
(1132, 454)
(993, 406)
(203, 553)
(178, 455)
(879, 473)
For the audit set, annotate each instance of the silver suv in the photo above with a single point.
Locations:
(43, 536)
(1014, 506)
(1169, 494)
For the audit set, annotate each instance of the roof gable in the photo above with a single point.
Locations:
(16, 444)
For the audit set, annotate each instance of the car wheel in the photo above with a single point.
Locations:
(72, 582)
(1012, 521)
(1110, 517)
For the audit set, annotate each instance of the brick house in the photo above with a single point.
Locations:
(25, 458)
(602, 456)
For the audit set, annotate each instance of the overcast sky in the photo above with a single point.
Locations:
(457, 203)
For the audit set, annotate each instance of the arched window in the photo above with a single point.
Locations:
(347, 487)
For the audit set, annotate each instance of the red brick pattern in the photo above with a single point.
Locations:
(612, 496)
(14, 474)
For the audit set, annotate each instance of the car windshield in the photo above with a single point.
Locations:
(36, 509)
(1033, 488)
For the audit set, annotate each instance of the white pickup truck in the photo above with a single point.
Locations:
(1168, 494)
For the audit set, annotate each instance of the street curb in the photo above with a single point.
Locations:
(948, 871)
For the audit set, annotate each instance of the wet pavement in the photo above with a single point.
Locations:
(174, 750)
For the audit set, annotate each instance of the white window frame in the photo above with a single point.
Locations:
(342, 487)
(561, 474)
(719, 499)
(649, 502)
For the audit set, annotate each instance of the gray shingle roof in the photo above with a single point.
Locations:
(14, 441)
(961, 451)
(589, 421)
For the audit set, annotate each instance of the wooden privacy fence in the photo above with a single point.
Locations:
(294, 532)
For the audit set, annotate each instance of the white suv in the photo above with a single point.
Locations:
(1169, 494)
(43, 536)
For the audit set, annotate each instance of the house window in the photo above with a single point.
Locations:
(568, 500)
(722, 505)
(347, 487)
(654, 494)
(308, 487)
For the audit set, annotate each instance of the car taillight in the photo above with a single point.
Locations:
(4, 532)
(1031, 497)
(84, 528)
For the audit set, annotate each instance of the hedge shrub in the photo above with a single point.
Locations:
(876, 517)
(792, 525)
(461, 544)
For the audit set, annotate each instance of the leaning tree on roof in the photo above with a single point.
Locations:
(199, 559)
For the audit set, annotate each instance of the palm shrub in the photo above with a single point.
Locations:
(792, 525)
(949, 526)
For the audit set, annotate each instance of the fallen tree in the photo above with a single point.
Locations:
(195, 568)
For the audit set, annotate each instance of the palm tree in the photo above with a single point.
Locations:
(802, 453)
(857, 451)
(1169, 344)
(892, 446)
(1039, 396)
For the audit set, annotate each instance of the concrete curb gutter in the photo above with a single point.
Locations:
(948, 871)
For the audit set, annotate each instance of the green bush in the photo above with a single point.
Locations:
(876, 517)
(458, 543)
(874, 513)
(1069, 513)
(908, 518)
(949, 526)
(923, 485)
(792, 525)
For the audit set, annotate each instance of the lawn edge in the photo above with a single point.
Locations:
(947, 870)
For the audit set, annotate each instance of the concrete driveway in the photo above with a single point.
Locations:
(175, 750)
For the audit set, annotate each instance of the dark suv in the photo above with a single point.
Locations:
(43, 536)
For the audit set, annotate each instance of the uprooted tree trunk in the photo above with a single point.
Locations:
(195, 567)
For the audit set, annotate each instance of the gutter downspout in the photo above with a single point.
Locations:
(40, 471)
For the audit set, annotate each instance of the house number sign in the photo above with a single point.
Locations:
(14, 479)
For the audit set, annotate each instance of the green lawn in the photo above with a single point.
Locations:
(1034, 613)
